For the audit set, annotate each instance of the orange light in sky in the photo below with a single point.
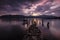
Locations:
(34, 14)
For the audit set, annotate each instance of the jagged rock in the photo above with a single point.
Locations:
(33, 33)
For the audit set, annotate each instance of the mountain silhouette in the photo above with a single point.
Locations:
(22, 16)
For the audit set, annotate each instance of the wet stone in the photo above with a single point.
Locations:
(33, 33)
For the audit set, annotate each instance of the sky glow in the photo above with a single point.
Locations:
(27, 7)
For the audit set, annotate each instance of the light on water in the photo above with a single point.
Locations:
(54, 25)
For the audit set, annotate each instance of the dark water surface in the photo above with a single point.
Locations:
(14, 30)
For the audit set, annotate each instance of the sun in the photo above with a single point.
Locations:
(35, 14)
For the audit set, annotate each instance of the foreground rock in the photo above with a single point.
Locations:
(33, 33)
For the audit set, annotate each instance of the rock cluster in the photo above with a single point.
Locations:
(33, 33)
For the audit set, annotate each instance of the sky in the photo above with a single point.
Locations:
(29, 7)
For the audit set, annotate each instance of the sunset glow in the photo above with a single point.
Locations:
(25, 7)
(35, 14)
(34, 7)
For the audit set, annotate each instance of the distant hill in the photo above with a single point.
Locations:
(22, 16)
(44, 17)
(11, 16)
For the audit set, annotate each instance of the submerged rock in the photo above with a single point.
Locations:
(33, 33)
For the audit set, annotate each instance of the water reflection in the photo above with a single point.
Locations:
(54, 25)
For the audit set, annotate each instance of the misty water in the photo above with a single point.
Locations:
(54, 25)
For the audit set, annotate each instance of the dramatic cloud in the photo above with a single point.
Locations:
(27, 7)
(19, 5)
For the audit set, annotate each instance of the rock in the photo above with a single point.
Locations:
(33, 33)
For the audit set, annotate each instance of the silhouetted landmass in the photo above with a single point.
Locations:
(44, 17)
(22, 16)
(12, 17)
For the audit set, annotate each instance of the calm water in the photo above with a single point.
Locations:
(54, 25)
